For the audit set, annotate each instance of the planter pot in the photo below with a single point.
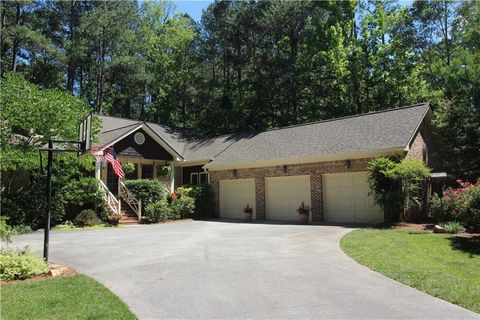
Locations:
(303, 217)
(247, 216)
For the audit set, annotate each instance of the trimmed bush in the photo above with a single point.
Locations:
(147, 190)
(20, 265)
(183, 207)
(87, 218)
(158, 211)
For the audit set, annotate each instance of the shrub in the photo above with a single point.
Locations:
(396, 184)
(458, 204)
(202, 196)
(146, 190)
(20, 265)
(5, 232)
(158, 211)
(114, 219)
(452, 227)
(83, 194)
(87, 218)
(183, 207)
(29, 205)
(20, 229)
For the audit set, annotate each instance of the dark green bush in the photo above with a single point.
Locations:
(158, 211)
(203, 198)
(183, 207)
(28, 207)
(83, 194)
(87, 218)
(20, 265)
(147, 190)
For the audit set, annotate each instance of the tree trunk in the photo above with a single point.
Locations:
(16, 42)
(71, 68)
(100, 76)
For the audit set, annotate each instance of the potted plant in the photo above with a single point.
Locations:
(247, 213)
(303, 213)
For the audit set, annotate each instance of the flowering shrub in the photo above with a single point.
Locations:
(458, 204)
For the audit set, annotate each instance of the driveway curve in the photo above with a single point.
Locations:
(227, 270)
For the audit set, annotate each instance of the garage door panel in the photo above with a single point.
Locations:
(347, 199)
(235, 195)
(283, 196)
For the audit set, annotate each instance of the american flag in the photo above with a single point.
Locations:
(110, 155)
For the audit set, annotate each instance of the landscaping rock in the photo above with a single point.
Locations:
(439, 229)
(56, 270)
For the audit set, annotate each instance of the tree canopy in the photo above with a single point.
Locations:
(252, 65)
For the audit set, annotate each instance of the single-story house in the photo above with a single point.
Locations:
(322, 164)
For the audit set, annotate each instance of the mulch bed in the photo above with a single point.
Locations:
(54, 271)
(428, 228)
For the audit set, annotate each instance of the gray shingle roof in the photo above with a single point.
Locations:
(361, 133)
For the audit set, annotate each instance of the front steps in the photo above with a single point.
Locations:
(128, 216)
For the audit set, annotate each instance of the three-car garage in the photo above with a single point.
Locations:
(346, 197)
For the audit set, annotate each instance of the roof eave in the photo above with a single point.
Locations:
(212, 166)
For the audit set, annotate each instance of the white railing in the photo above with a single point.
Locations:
(113, 204)
(130, 199)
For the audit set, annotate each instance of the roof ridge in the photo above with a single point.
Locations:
(115, 129)
(348, 117)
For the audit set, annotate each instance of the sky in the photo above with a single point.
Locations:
(192, 7)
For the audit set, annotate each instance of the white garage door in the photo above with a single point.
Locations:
(283, 196)
(347, 199)
(235, 195)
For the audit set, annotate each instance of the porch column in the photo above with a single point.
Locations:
(98, 165)
(172, 177)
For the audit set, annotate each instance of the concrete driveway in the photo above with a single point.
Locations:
(225, 270)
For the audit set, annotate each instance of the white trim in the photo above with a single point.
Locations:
(304, 160)
(152, 135)
(191, 176)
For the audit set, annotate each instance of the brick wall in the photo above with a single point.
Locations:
(315, 170)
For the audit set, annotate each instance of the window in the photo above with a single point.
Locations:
(194, 178)
(147, 171)
(203, 177)
(199, 178)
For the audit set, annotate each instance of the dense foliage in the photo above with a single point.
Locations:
(87, 218)
(20, 264)
(178, 205)
(250, 65)
(147, 190)
(396, 185)
(460, 204)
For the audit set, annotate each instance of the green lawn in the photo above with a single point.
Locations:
(444, 266)
(73, 297)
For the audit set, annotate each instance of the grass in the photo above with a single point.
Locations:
(73, 297)
(444, 266)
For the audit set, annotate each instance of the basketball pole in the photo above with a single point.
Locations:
(80, 148)
(46, 238)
